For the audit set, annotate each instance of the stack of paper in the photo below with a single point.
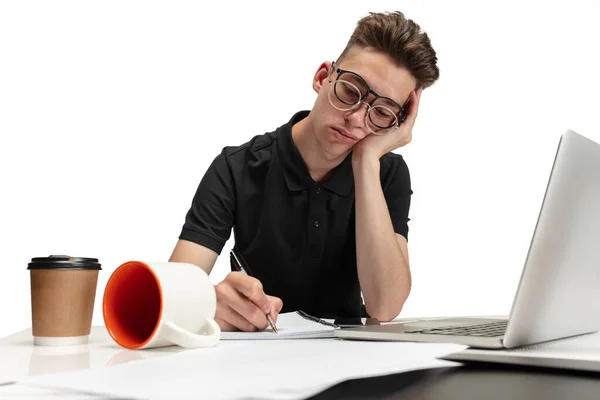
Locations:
(293, 325)
(265, 369)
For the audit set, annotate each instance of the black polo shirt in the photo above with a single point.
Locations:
(297, 235)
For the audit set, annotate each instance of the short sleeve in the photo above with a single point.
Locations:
(211, 216)
(397, 191)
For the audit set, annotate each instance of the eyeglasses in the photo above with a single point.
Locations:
(349, 91)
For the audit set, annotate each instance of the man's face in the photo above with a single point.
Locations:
(337, 131)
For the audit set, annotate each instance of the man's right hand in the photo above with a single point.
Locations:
(242, 304)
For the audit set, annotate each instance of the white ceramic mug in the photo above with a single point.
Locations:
(153, 304)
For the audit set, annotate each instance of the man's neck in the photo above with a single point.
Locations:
(319, 164)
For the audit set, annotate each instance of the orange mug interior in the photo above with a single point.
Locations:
(132, 304)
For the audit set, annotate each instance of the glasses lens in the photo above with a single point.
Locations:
(381, 117)
(346, 95)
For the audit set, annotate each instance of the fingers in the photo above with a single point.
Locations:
(226, 326)
(236, 307)
(230, 320)
(276, 306)
(415, 99)
(239, 310)
(251, 288)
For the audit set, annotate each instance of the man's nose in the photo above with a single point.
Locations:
(357, 116)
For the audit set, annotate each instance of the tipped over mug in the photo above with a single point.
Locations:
(157, 304)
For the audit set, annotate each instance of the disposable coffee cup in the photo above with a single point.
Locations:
(63, 291)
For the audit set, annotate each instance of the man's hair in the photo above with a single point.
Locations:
(401, 39)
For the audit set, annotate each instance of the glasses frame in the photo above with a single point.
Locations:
(399, 117)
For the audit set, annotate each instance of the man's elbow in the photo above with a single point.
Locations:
(384, 314)
(386, 311)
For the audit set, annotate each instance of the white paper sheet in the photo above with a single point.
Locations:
(289, 326)
(578, 353)
(266, 369)
(18, 392)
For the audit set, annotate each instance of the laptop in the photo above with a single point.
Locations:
(558, 294)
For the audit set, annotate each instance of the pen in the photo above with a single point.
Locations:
(239, 265)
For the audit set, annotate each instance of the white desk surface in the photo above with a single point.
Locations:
(19, 358)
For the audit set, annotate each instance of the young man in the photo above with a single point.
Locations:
(319, 207)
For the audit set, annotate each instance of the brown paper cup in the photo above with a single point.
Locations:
(62, 299)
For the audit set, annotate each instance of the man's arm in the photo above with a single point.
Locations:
(241, 301)
(193, 253)
(381, 253)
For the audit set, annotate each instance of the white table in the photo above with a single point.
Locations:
(19, 358)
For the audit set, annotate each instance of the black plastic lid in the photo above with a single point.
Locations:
(64, 262)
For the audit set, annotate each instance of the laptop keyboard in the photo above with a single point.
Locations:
(489, 329)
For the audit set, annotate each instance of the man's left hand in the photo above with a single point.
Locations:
(378, 145)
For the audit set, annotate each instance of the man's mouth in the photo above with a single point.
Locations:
(345, 134)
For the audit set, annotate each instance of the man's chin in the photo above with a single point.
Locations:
(333, 149)
(339, 154)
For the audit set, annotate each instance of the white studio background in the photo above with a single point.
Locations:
(111, 111)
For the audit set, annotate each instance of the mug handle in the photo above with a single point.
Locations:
(181, 337)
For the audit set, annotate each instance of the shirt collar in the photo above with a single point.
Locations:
(295, 171)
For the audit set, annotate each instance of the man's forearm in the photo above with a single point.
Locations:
(383, 269)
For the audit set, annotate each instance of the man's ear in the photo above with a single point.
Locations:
(321, 75)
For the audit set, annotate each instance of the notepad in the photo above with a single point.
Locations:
(291, 325)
